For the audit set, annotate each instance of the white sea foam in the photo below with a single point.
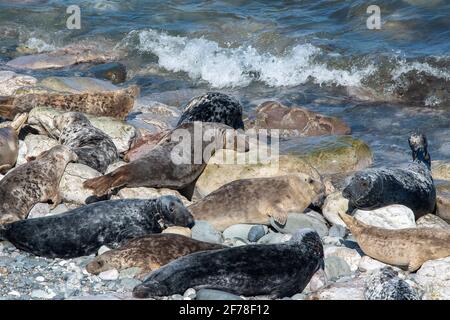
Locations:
(39, 45)
(405, 67)
(205, 60)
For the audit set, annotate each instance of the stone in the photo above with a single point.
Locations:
(389, 217)
(299, 296)
(240, 231)
(41, 294)
(333, 241)
(352, 257)
(367, 264)
(103, 249)
(129, 283)
(443, 202)
(297, 221)
(179, 230)
(274, 238)
(334, 204)
(204, 231)
(129, 272)
(34, 146)
(11, 81)
(440, 170)
(350, 290)
(76, 84)
(210, 294)
(432, 221)
(109, 275)
(190, 293)
(148, 193)
(336, 267)
(113, 71)
(39, 210)
(71, 184)
(318, 281)
(434, 277)
(257, 232)
(337, 230)
(295, 121)
(61, 208)
(40, 279)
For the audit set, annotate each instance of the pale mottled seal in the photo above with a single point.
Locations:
(149, 253)
(256, 200)
(157, 168)
(411, 185)
(82, 231)
(408, 248)
(213, 107)
(33, 182)
(9, 142)
(93, 147)
(278, 270)
(386, 285)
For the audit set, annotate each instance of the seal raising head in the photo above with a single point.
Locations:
(278, 270)
(419, 147)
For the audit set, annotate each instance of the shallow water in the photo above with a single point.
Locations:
(318, 54)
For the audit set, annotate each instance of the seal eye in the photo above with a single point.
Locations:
(310, 180)
(172, 208)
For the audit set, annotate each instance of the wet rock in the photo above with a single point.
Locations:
(113, 71)
(71, 184)
(336, 267)
(386, 285)
(179, 230)
(241, 231)
(148, 193)
(204, 231)
(389, 217)
(257, 232)
(295, 121)
(334, 204)
(274, 238)
(351, 256)
(432, 221)
(11, 81)
(434, 277)
(210, 294)
(76, 85)
(297, 221)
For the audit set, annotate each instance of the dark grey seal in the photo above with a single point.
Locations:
(214, 107)
(278, 270)
(93, 147)
(410, 185)
(386, 285)
(84, 230)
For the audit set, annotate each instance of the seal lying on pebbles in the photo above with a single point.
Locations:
(9, 142)
(411, 186)
(278, 270)
(409, 247)
(256, 200)
(115, 104)
(386, 285)
(33, 182)
(158, 170)
(149, 253)
(93, 147)
(213, 107)
(80, 232)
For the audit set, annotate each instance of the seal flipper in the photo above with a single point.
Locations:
(188, 191)
(279, 215)
(102, 185)
(150, 289)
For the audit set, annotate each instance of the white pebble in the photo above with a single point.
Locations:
(109, 275)
(40, 279)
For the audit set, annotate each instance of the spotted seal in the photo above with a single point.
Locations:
(386, 285)
(256, 200)
(213, 107)
(33, 182)
(278, 270)
(410, 185)
(157, 168)
(84, 230)
(9, 142)
(409, 247)
(93, 147)
(149, 253)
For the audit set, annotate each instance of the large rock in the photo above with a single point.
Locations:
(11, 81)
(217, 173)
(334, 204)
(432, 221)
(336, 267)
(352, 257)
(350, 290)
(76, 84)
(71, 185)
(367, 264)
(389, 217)
(240, 231)
(120, 132)
(434, 277)
(204, 231)
(274, 238)
(440, 169)
(297, 221)
(148, 193)
(33, 146)
(330, 155)
(295, 121)
(443, 201)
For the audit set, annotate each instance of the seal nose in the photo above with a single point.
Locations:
(190, 223)
(346, 193)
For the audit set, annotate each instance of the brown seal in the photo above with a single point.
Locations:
(115, 104)
(256, 200)
(9, 142)
(157, 168)
(408, 248)
(149, 253)
(33, 182)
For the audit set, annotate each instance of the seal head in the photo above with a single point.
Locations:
(364, 188)
(172, 212)
(419, 146)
